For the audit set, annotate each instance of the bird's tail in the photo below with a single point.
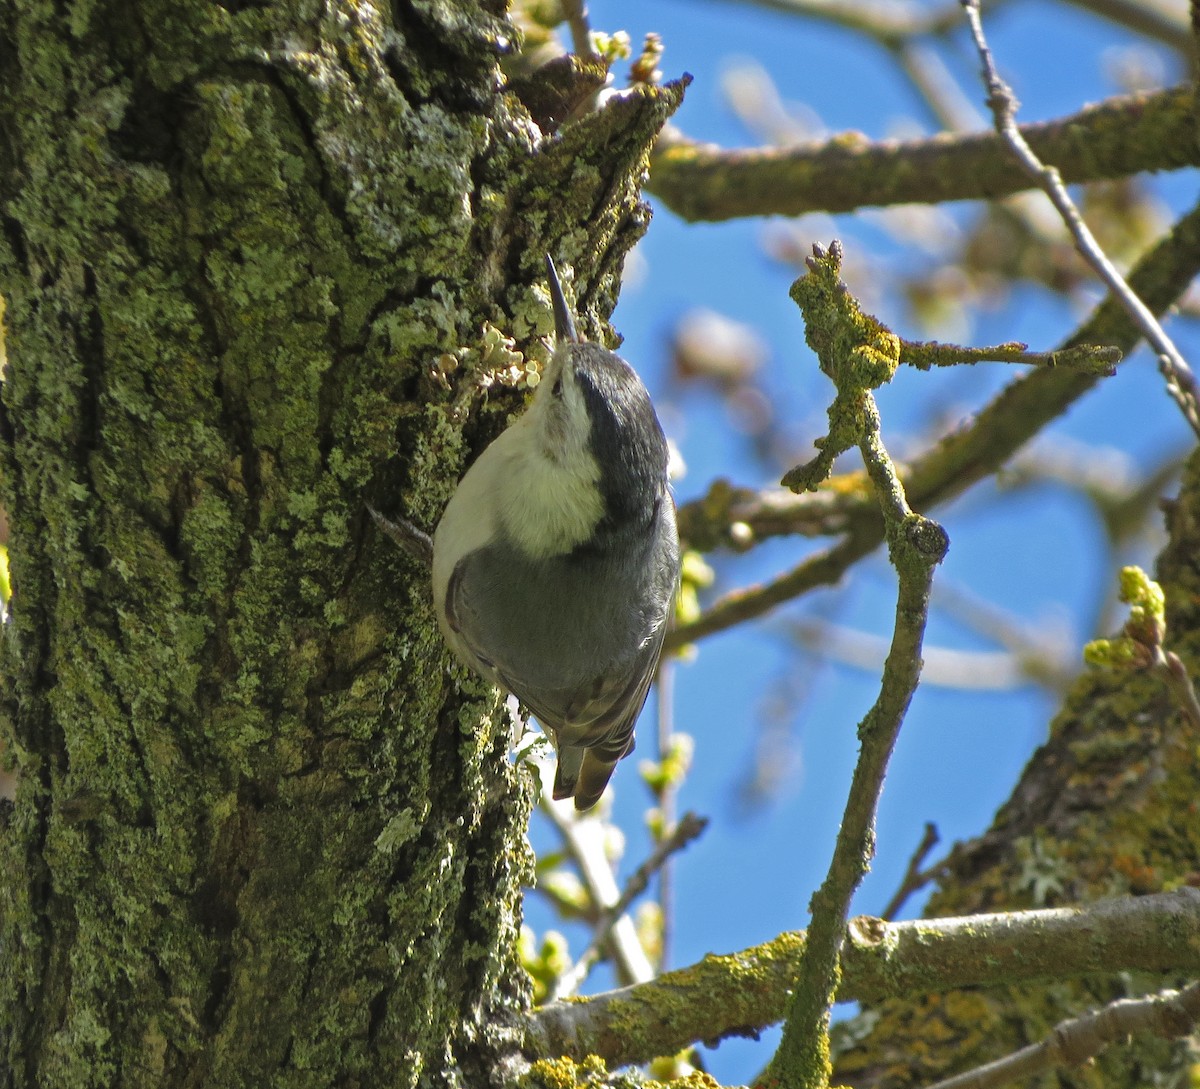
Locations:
(585, 772)
(593, 777)
(566, 774)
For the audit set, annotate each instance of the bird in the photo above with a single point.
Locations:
(556, 560)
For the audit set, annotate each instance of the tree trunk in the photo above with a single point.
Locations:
(259, 262)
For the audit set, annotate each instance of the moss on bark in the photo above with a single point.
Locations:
(263, 835)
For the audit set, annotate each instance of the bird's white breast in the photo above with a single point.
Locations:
(544, 499)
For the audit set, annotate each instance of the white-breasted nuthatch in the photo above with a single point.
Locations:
(556, 561)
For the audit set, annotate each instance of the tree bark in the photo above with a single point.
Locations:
(259, 262)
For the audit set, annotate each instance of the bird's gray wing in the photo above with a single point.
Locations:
(569, 668)
(599, 730)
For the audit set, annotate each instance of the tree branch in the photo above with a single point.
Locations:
(1077, 1041)
(1122, 136)
(740, 993)
(576, 14)
(689, 827)
(1181, 383)
(584, 839)
(859, 356)
(914, 876)
(957, 462)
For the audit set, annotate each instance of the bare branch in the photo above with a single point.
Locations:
(689, 827)
(1170, 1014)
(576, 14)
(1033, 662)
(667, 796)
(1181, 383)
(914, 877)
(584, 838)
(922, 64)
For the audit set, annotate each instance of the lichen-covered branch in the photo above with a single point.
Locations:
(859, 355)
(740, 993)
(1088, 358)
(1098, 812)
(1120, 137)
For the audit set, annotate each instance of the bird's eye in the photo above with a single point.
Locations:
(556, 389)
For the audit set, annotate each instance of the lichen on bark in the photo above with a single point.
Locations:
(264, 833)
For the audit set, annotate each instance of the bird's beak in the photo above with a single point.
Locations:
(564, 320)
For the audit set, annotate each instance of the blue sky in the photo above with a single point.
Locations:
(1036, 553)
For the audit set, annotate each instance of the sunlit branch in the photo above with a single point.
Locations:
(688, 828)
(948, 469)
(576, 14)
(584, 839)
(1088, 358)
(743, 992)
(1181, 383)
(1122, 136)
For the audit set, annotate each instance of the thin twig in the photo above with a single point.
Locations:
(1037, 661)
(1181, 383)
(667, 804)
(931, 78)
(1089, 358)
(914, 877)
(576, 14)
(688, 828)
(584, 839)
(1043, 654)
(825, 568)
(1171, 1014)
